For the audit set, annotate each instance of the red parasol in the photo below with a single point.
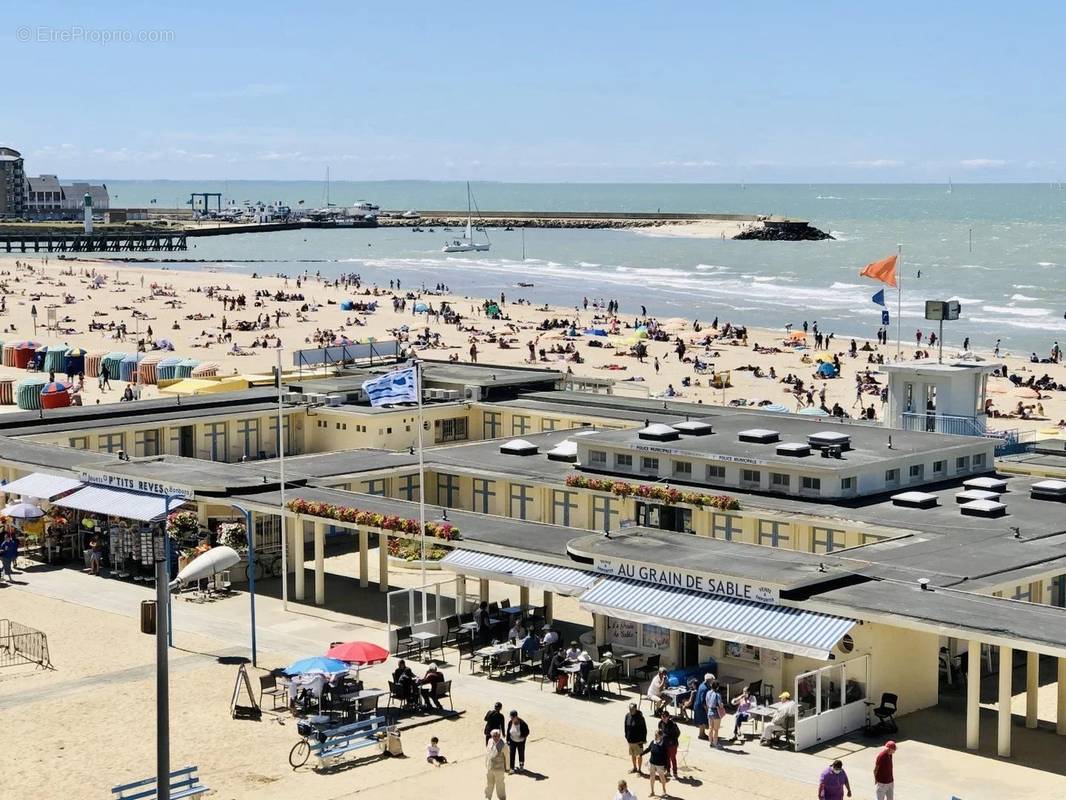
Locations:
(361, 653)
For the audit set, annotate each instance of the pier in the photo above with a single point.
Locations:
(103, 242)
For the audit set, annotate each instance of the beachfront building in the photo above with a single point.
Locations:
(74, 194)
(44, 197)
(945, 398)
(838, 560)
(12, 183)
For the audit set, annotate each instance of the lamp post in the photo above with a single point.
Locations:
(163, 639)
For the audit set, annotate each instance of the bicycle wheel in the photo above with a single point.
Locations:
(275, 567)
(258, 570)
(299, 754)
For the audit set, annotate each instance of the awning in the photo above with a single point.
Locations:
(561, 580)
(40, 485)
(790, 630)
(119, 503)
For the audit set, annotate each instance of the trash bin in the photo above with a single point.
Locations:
(148, 616)
(392, 741)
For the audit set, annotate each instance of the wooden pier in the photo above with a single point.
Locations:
(93, 242)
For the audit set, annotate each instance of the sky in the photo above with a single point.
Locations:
(549, 91)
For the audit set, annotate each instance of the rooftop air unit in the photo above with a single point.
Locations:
(759, 436)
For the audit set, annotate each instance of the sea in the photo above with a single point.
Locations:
(999, 249)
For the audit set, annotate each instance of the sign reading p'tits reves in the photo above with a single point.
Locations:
(132, 484)
(721, 585)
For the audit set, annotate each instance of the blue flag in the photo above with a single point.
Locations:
(397, 386)
(879, 298)
(884, 316)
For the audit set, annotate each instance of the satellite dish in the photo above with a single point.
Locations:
(215, 560)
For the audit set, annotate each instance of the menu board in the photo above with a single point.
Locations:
(655, 638)
(623, 633)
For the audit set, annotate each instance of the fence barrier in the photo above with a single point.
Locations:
(20, 644)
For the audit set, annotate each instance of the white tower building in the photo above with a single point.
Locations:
(945, 398)
(88, 200)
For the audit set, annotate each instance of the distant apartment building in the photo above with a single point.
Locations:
(12, 183)
(44, 196)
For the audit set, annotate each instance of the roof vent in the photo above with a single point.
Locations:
(794, 449)
(566, 450)
(820, 439)
(970, 495)
(659, 433)
(694, 427)
(1048, 490)
(983, 508)
(915, 500)
(759, 436)
(518, 447)
(997, 485)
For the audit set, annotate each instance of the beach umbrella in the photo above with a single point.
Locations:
(814, 411)
(777, 408)
(1028, 393)
(316, 665)
(641, 332)
(361, 653)
(340, 341)
(55, 387)
(421, 308)
(164, 344)
(22, 511)
(797, 336)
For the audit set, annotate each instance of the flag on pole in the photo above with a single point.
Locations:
(397, 386)
(879, 297)
(884, 271)
(885, 320)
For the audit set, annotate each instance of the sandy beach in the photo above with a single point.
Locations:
(699, 229)
(187, 308)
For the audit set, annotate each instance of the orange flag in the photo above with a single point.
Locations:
(884, 271)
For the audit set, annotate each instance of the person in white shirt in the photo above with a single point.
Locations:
(517, 631)
(655, 690)
(550, 638)
(573, 653)
(433, 755)
(624, 793)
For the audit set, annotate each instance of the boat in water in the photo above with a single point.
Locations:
(466, 243)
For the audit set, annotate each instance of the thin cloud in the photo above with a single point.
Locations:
(877, 163)
(983, 163)
(704, 163)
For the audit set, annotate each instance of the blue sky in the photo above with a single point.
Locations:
(593, 91)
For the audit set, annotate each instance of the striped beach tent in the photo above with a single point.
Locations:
(146, 370)
(113, 362)
(25, 352)
(55, 358)
(7, 355)
(7, 392)
(128, 367)
(206, 369)
(74, 361)
(28, 392)
(166, 369)
(186, 367)
(55, 395)
(94, 359)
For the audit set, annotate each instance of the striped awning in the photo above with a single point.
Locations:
(119, 503)
(40, 485)
(561, 580)
(783, 628)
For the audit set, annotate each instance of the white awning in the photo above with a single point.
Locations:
(119, 503)
(40, 485)
(783, 628)
(561, 580)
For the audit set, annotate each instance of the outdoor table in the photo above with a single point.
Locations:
(468, 626)
(673, 694)
(763, 714)
(512, 610)
(627, 659)
(422, 637)
(727, 682)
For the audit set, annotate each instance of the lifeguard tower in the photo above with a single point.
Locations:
(941, 398)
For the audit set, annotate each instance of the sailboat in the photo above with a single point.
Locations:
(466, 243)
(951, 186)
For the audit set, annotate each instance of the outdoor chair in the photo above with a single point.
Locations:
(467, 649)
(650, 668)
(268, 686)
(506, 603)
(451, 624)
(886, 712)
(405, 645)
(397, 693)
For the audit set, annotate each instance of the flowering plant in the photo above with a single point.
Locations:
(445, 531)
(183, 524)
(411, 550)
(233, 534)
(664, 494)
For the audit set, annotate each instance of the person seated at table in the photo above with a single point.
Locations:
(655, 691)
(404, 681)
(555, 673)
(584, 669)
(550, 638)
(429, 683)
(740, 714)
(573, 653)
(783, 720)
(529, 645)
(685, 700)
(483, 622)
(518, 631)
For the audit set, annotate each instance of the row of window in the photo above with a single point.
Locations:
(916, 472)
(214, 439)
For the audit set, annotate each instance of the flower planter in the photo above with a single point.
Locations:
(416, 565)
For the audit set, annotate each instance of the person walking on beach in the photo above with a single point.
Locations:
(9, 551)
(715, 712)
(517, 734)
(833, 782)
(493, 721)
(699, 705)
(884, 781)
(473, 353)
(105, 377)
(657, 762)
(671, 739)
(495, 766)
(995, 352)
(636, 733)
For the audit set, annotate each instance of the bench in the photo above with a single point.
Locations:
(349, 738)
(183, 783)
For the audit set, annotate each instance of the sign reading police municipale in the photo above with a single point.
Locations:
(722, 585)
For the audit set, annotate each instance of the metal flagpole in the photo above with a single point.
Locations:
(899, 299)
(281, 477)
(421, 487)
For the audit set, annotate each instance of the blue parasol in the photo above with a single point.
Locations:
(319, 665)
(814, 411)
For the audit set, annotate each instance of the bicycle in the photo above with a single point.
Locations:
(301, 751)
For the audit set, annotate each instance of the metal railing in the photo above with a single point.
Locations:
(943, 423)
(20, 644)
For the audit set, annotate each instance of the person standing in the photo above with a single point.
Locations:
(105, 377)
(493, 721)
(483, 622)
(834, 782)
(9, 551)
(699, 705)
(884, 781)
(671, 738)
(636, 733)
(623, 792)
(495, 766)
(656, 762)
(517, 733)
(715, 712)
